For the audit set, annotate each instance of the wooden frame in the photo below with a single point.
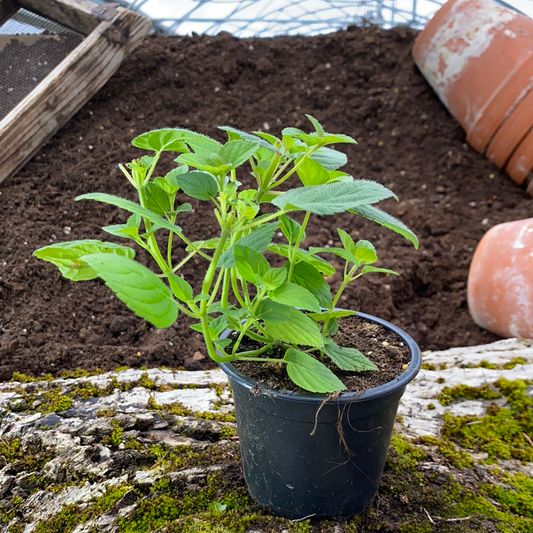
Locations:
(112, 32)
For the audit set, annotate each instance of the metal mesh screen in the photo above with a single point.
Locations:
(30, 48)
(265, 18)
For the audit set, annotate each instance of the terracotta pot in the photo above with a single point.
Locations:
(500, 281)
(521, 162)
(511, 133)
(477, 56)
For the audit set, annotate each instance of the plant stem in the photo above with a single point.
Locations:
(292, 260)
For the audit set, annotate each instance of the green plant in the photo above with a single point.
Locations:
(289, 307)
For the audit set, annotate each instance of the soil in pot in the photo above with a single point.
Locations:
(362, 82)
(383, 347)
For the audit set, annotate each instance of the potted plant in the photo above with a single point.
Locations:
(308, 448)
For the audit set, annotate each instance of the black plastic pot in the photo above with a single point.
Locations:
(336, 471)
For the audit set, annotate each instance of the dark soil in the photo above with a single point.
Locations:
(361, 82)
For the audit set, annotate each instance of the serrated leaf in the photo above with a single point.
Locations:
(272, 311)
(137, 286)
(384, 219)
(330, 159)
(312, 173)
(346, 240)
(339, 252)
(162, 140)
(310, 374)
(333, 197)
(132, 207)
(298, 328)
(301, 255)
(348, 359)
(318, 127)
(309, 277)
(235, 153)
(169, 183)
(156, 199)
(273, 278)
(290, 228)
(257, 240)
(295, 295)
(309, 139)
(249, 263)
(365, 252)
(198, 185)
(210, 244)
(173, 139)
(67, 256)
(238, 134)
(181, 288)
(369, 269)
(330, 314)
(218, 325)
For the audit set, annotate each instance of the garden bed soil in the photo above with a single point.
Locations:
(361, 82)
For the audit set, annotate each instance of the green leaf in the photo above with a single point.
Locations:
(309, 277)
(330, 314)
(164, 140)
(346, 240)
(296, 296)
(384, 219)
(273, 312)
(334, 138)
(348, 359)
(310, 374)
(203, 161)
(318, 127)
(365, 252)
(123, 230)
(339, 252)
(333, 197)
(330, 159)
(273, 278)
(181, 288)
(218, 325)
(235, 153)
(132, 207)
(137, 286)
(368, 269)
(210, 244)
(170, 182)
(238, 134)
(156, 199)
(309, 139)
(301, 255)
(249, 262)
(173, 139)
(298, 328)
(290, 228)
(198, 185)
(258, 240)
(312, 173)
(67, 256)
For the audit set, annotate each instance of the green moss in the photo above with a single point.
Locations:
(441, 380)
(55, 402)
(455, 455)
(23, 378)
(431, 406)
(79, 373)
(106, 413)
(429, 366)
(502, 432)
(514, 362)
(464, 392)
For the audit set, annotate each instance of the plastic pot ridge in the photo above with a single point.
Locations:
(306, 457)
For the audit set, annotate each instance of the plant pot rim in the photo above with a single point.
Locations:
(373, 393)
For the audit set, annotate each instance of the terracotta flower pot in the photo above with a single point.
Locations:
(512, 133)
(521, 162)
(477, 56)
(500, 281)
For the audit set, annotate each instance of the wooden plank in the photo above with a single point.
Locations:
(78, 15)
(64, 91)
(7, 9)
